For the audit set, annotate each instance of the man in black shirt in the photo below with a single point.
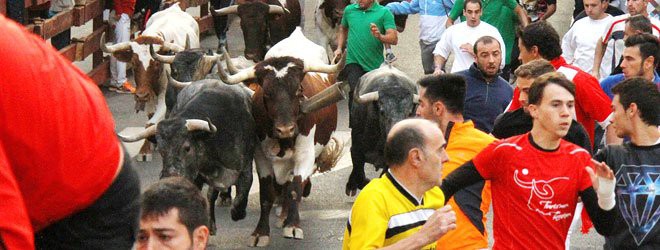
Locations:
(519, 121)
(636, 165)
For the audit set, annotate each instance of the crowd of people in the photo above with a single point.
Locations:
(533, 152)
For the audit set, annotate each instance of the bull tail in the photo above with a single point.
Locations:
(330, 155)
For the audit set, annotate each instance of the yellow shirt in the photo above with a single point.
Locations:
(385, 212)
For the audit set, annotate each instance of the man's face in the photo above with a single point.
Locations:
(594, 8)
(425, 108)
(167, 232)
(365, 4)
(526, 55)
(523, 85)
(553, 114)
(632, 64)
(434, 155)
(636, 7)
(489, 58)
(620, 121)
(472, 13)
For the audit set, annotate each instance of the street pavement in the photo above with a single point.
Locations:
(325, 211)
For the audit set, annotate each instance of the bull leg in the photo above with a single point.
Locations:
(283, 209)
(307, 187)
(225, 198)
(357, 179)
(243, 185)
(292, 223)
(212, 196)
(261, 235)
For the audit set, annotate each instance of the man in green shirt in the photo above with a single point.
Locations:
(501, 14)
(366, 25)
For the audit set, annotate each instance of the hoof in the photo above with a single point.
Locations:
(293, 232)
(259, 241)
(238, 214)
(144, 157)
(353, 187)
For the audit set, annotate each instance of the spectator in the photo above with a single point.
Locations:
(66, 181)
(540, 41)
(363, 38)
(533, 196)
(579, 43)
(123, 12)
(539, 10)
(636, 108)
(613, 11)
(407, 193)
(459, 39)
(430, 14)
(487, 94)
(441, 99)
(502, 15)
(640, 58)
(613, 37)
(174, 215)
(220, 22)
(62, 39)
(636, 24)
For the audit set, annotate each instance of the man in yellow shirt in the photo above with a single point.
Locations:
(404, 208)
(442, 99)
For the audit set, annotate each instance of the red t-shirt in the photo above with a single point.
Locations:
(591, 103)
(534, 191)
(58, 148)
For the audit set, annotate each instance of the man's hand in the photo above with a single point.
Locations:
(601, 170)
(375, 32)
(337, 55)
(596, 73)
(602, 180)
(441, 221)
(467, 48)
(438, 71)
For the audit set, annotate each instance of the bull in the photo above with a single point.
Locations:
(296, 136)
(327, 18)
(168, 30)
(264, 22)
(209, 137)
(383, 97)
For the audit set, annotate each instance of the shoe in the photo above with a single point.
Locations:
(125, 88)
(390, 57)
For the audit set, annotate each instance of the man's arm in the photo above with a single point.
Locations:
(441, 221)
(549, 12)
(599, 199)
(522, 15)
(455, 12)
(568, 45)
(390, 36)
(404, 7)
(598, 58)
(342, 33)
(438, 64)
(463, 176)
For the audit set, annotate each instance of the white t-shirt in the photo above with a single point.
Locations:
(458, 34)
(579, 44)
(613, 37)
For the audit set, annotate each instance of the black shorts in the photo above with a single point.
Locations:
(111, 222)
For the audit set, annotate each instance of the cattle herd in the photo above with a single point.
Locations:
(276, 107)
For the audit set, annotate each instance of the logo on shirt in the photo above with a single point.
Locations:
(636, 194)
(541, 194)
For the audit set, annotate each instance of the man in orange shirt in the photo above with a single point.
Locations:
(442, 100)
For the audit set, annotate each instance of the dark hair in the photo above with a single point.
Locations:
(446, 88)
(400, 143)
(648, 45)
(642, 92)
(542, 35)
(485, 40)
(472, 1)
(534, 69)
(179, 193)
(535, 95)
(640, 23)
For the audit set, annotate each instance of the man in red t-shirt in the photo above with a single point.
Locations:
(65, 182)
(537, 177)
(540, 41)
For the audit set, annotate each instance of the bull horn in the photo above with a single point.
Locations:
(235, 78)
(226, 10)
(159, 57)
(113, 48)
(276, 9)
(150, 131)
(230, 64)
(197, 124)
(416, 98)
(326, 68)
(173, 47)
(176, 83)
(367, 98)
(328, 96)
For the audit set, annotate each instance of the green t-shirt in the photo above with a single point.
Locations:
(362, 47)
(498, 13)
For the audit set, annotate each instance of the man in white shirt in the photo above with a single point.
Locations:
(579, 43)
(459, 39)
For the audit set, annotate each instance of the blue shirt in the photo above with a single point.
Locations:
(609, 82)
(484, 101)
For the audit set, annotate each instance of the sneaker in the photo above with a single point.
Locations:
(125, 88)
(390, 57)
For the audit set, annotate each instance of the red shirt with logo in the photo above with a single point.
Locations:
(534, 191)
(591, 103)
(58, 148)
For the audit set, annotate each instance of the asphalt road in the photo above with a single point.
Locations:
(325, 211)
